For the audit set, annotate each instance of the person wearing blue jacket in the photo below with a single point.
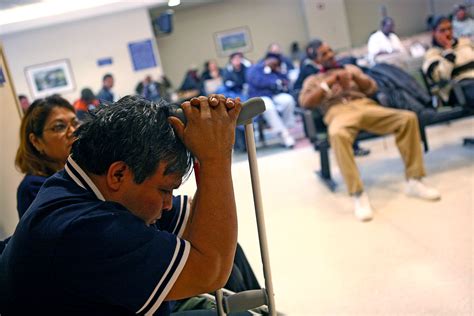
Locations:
(234, 77)
(265, 80)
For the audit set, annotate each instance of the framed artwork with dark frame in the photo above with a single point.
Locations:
(50, 78)
(233, 40)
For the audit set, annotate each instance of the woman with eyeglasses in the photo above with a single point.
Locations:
(46, 137)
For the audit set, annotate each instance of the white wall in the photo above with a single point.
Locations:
(364, 17)
(409, 15)
(445, 7)
(327, 20)
(9, 140)
(192, 40)
(83, 42)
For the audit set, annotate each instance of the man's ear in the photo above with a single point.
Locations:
(117, 174)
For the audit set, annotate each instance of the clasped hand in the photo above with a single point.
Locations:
(210, 130)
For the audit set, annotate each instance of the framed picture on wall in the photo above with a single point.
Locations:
(234, 40)
(50, 78)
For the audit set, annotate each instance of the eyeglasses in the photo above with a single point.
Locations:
(61, 127)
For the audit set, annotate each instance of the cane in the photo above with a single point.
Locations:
(247, 300)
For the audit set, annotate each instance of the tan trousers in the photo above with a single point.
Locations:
(347, 119)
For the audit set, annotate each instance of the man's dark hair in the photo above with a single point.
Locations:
(106, 76)
(385, 20)
(135, 131)
(21, 97)
(312, 48)
(236, 54)
(459, 7)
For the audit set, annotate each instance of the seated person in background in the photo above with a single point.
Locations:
(211, 70)
(104, 205)
(46, 136)
(266, 81)
(463, 24)
(105, 93)
(286, 62)
(24, 102)
(211, 76)
(297, 54)
(192, 84)
(234, 77)
(450, 58)
(149, 89)
(342, 96)
(309, 67)
(165, 87)
(87, 102)
(235, 86)
(385, 44)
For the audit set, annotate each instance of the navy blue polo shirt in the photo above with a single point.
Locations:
(27, 191)
(73, 253)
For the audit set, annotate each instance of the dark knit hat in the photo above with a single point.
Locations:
(273, 55)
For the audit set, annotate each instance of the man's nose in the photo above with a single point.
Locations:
(168, 202)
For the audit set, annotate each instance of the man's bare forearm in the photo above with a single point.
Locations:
(212, 229)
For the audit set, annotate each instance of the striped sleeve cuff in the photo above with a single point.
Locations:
(168, 279)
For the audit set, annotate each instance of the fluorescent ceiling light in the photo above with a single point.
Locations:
(49, 12)
(173, 3)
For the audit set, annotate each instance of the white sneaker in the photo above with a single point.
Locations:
(362, 209)
(288, 140)
(416, 188)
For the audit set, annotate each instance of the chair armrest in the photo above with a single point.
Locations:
(459, 92)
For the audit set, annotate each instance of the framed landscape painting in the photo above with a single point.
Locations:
(234, 40)
(50, 78)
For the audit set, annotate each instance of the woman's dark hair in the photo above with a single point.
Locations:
(29, 160)
(436, 21)
(135, 131)
(87, 95)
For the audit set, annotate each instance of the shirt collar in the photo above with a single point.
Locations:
(336, 65)
(81, 178)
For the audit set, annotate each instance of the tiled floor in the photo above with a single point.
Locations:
(414, 258)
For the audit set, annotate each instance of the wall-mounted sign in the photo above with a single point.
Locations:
(142, 55)
(104, 61)
(2, 77)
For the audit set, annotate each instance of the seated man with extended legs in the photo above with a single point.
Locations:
(342, 96)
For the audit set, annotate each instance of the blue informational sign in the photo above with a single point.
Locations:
(104, 61)
(2, 77)
(142, 55)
